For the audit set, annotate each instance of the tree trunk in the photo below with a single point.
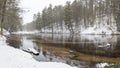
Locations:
(3, 15)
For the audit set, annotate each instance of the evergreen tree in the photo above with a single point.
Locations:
(9, 15)
(68, 17)
(44, 18)
(50, 17)
(80, 15)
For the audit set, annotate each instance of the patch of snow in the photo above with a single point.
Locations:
(32, 50)
(26, 32)
(5, 32)
(56, 29)
(2, 40)
(102, 26)
(15, 58)
(105, 45)
(102, 65)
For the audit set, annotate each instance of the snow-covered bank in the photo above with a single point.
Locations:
(26, 32)
(102, 26)
(56, 29)
(15, 58)
(101, 30)
(102, 65)
(5, 32)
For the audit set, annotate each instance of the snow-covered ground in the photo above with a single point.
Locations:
(56, 29)
(26, 32)
(102, 26)
(15, 58)
(102, 65)
(5, 32)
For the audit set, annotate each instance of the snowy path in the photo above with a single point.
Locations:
(15, 58)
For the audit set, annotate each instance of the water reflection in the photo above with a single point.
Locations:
(84, 51)
(105, 41)
(27, 43)
(100, 45)
(46, 55)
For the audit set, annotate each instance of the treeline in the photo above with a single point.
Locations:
(9, 15)
(79, 15)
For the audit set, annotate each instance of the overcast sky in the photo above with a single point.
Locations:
(33, 6)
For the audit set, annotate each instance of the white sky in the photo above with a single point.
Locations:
(33, 6)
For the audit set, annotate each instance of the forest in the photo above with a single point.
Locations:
(80, 17)
(10, 18)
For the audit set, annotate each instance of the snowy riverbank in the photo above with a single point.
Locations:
(15, 58)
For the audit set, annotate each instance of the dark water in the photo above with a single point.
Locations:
(84, 51)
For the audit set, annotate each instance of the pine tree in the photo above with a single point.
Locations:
(68, 17)
(44, 18)
(50, 17)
